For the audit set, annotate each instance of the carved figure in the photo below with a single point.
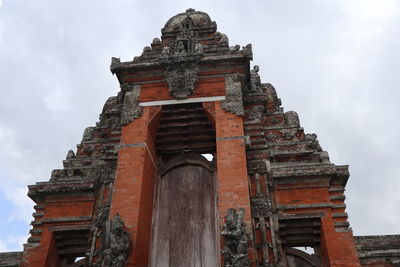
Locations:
(182, 79)
(233, 100)
(180, 48)
(119, 242)
(70, 154)
(312, 141)
(130, 109)
(292, 119)
(261, 206)
(88, 134)
(255, 81)
(256, 113)
(116, 251)
(235, 240)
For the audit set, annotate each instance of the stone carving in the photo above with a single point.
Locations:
(257, 113)
(102, 216)
(256, 165)
(146, 49)
(89, 150)
(115, 63)
(292, 119)
(69, 172)
(235, 240)
(324, 157)
(288, 135)
(110, 115)
(182, 78)
(130, 109)
(272, 95)
(182, 61)
(88, 134)
(274, 120)
(255, 80)
(271, 136)
(102, 172)
(248, 51)
(104, 148)
(70, 154)
(233, 100)
(224, 41)
(261, 206)
(57, 174)
(312, 142)
(156, 41)
(234, 49)
(116, 247)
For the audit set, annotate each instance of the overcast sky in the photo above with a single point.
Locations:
(336, 62)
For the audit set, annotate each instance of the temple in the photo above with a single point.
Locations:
(196, 163)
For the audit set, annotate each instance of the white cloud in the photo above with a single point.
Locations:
(58, 102)
(12, 243)
(23, 206)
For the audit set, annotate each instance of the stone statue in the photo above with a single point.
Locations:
(235, 240)
(255, 81)
(116, 249)
(180, 48)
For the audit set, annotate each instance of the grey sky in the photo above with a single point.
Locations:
(335, 62)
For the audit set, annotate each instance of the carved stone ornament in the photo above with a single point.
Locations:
(181, 60)
(235, 240)
(256, 113)
(261, 206)
(312, 141)
(70, 154)
(255, 81)
(102, 216)
(88, 134)
(272, 95)
(181, 78)
(116, 247)
(288, 135)
(115, 63)
(292, 119)
(130, 109)
(271, 136)
(110, 115)
(256, 165)
(233, 102)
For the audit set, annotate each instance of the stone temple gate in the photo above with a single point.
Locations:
(140, 192)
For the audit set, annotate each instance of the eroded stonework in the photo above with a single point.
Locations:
(235, 240)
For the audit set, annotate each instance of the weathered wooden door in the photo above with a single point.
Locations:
(184, 218)
(298, 258)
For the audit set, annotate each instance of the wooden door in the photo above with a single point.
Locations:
(184, 221)
(298, 258)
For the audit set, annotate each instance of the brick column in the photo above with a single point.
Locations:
(43, 255)
(232, 180)
(133, 190)
(337, 248)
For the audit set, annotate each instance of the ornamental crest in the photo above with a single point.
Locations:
(181, 59)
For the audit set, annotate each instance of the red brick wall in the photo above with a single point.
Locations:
(232, 181)
(134, 186)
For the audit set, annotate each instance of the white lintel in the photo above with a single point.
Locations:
(182, 101)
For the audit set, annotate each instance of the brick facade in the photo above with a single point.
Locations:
(191, 93)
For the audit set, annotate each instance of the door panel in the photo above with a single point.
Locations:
(184, 226)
